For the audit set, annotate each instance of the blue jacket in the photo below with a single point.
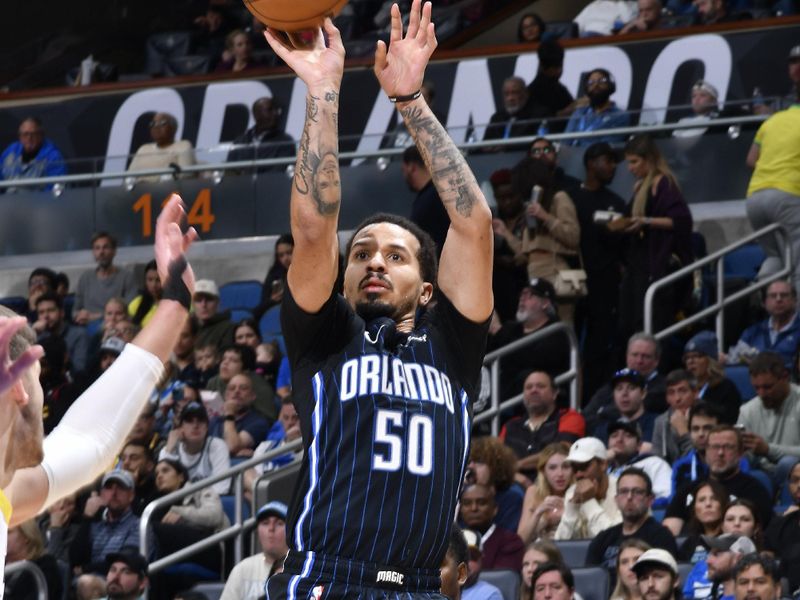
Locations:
(585, 119)
(691, 468)
(786, 342)
(47, 163)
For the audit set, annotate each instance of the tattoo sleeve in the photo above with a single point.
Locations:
(450, 173)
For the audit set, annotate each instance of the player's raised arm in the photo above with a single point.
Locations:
(465, 270)
(316, 193)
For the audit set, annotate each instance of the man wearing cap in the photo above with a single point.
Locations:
(110, 350)
(657, 575)
(589, 504)
(771, 432)
(629, 393)
(247, 578)
(546, 423)
(126, 578)
(602, 254)
(671, 438)
(756, 578)
(724, 553)
(780, 331)
(109, 523)
(215, 327)
(535, 311)
(625, 451)
(106, 281)
(51, 323)
(474, 588)
(634, 498)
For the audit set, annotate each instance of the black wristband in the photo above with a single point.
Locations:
(409, 98)
(230, 418)
(174, 287)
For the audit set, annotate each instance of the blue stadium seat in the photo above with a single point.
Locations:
(574, 552)
(505, 580)
(744, 262)
(240, 294)
(683, 571)
(591, 583)
(16, 303)
(240, 314)
(270, 324)
(211, 590)
(740, 376)
(229, 506)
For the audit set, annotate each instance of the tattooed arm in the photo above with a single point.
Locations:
(465, 269)
(316, 194)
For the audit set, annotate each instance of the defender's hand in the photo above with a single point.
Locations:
(11, 371)
(171, 244)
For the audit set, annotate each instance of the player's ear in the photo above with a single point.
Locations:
(463, 572)
(426, 293)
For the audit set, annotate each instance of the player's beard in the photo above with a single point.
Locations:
(372, 308)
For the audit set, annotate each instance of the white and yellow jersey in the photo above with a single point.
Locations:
(5, 519)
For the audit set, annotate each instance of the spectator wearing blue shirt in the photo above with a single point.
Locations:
(32, 156)
(601, 113)
(780, 332)
(240, 425)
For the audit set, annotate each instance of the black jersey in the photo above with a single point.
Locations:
(386, 429)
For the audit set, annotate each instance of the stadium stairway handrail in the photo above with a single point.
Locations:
(388, 152)
(716, 309)
(33, 569)
(236, 530)
(492, 361)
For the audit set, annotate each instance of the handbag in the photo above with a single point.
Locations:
(570, 284)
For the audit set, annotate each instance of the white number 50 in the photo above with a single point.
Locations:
(418, 442)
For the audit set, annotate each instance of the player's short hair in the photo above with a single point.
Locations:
(428, 263)
(22, 340)
(458, 546)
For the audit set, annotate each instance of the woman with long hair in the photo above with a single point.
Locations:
(627, 587)
(544, 500)
(709, 502)
(26, 542)
(530, 29)
(659, 237)
(275, 281)
(238, 54)
(716, 390)
(537, 553)
(247, 334)
(143, 306)
(493, 463)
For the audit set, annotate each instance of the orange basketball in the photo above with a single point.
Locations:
(294, 15)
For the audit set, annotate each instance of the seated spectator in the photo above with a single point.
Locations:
(137, 460)
(107, 281)
(723, 454)
(201, 454)
(115, 315)
(536, 554)
(625, 451)
(238, 54)
(494, 464)
(144, 429)
(589, 505)
(183, 352)
(164, 152)
(247, 578)
(247, 334)
(265, 139)
(544, 500)
(629, 393)
(708, 502)
(455, 568)
(206, 362)
(542, 152)
(720, 393)
(756, 578)
(240, 425)
(553, 581)
(712, 12)
(427, 210)
(126, 578)
(52, 323)
(780, 332)
(642, 355)
(657, 575)
(724, 553)
(41, 281)
(108, 524)
(238, 359)
(601, 112)
(60, 524)
(545, 423)
(634, 499)
(60, 389)
(474, 588)
(530, 29)
(25, 542)
(783, 534)
(546, 89)
(143, 307)
(501, 548)
(215, 327)
(705, 106)
(627, 587)
(648, 18)
(275, 281)
(550, 354)
(603, 17)
(32, 156)
(671, 438)
(518, 117)
(771, 433)
(285, 430)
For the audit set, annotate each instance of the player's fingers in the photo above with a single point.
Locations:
(396, 33)
(277, 43)
(413, 20)
(189, 238)
(380, 58)
(333, 33)
(25, 361)
(422, 35)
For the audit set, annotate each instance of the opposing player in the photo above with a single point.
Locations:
(33, 475)
(384, 396)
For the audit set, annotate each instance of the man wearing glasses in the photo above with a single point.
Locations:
(634, 498)
(164, 152)
(32, 156)
(545, 152)
(601, 113)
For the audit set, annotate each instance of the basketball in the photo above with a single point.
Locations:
(294, 15)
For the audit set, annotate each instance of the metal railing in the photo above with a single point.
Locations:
(492, 360)
(716, 309)
(235, 530)
(32, 568)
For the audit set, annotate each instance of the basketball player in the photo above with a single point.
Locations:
(34, 475)
(384, 396)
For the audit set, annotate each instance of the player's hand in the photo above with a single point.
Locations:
(755, 443)
(11, 371)
(320, 67)
(400, 68)
(171, 244)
